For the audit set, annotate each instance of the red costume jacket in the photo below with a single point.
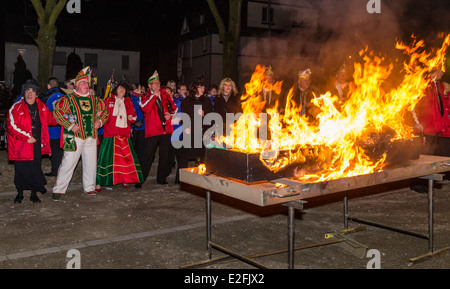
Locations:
(153, 124)
(19, 130)
(109, 128)
(428, 112)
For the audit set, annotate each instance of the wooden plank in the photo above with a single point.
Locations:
(270, 193)
(425, 165)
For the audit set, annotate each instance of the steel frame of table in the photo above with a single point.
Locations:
(430, 236)
(292, 194)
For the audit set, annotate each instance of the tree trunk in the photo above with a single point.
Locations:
(229, 37)
(46, 43)
(46, 36)
(230, 60)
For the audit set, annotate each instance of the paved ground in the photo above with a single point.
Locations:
(163, 227)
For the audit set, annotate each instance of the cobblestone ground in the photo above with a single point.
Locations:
(163, 227)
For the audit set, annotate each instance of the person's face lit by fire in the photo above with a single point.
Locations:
(30, 96)
(182, 90)
(200, 90)
(82, 87)
(155, 85)
(341, 77)
(227, 88)
(121, 91)
(304, 82)
(213, 92)
(436, 75)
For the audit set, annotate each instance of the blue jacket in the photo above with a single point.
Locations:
(139, 113)
(53, 95)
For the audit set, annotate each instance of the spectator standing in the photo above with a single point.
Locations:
(54, 93)
(196, 105)
(158, 128)
(212, 93)
(138, 128)
(28, 139)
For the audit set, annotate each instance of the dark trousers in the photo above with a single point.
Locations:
(57, 155)
(138, 141)
(151, 143)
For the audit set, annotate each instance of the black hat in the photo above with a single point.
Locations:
(33, 84)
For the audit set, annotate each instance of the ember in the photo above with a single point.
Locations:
(362, 136)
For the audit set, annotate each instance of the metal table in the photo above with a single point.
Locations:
(293, 193)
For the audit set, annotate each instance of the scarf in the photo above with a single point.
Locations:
(121, 112)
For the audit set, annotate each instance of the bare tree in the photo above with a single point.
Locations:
(229, 36)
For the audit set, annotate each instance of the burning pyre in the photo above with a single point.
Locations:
(340, 142)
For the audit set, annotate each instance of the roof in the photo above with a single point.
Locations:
(95, 34)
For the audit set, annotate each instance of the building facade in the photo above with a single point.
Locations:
(280, 33)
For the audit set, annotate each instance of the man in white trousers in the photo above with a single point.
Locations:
(80, 114)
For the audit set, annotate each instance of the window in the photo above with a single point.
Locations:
(125, 62)
(90, 59)
(22, 52)
(60, 58)
(205, 43)
(267, 15)
(185, 28)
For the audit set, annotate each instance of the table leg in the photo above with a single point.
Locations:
(208, 224)
(430, 216)
(291, 237)
(345, 210)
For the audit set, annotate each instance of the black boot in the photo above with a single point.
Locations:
(34, 198)
(18, 198)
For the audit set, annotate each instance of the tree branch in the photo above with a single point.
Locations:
(56, 11)
(37, 4)
(218, 18)
(234, 26)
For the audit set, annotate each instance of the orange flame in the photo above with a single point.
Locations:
(333, 138)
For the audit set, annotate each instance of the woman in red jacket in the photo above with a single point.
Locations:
(28, 140)
(117, 162)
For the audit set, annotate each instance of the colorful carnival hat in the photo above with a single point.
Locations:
(154, 77)
(84, 74)
(269, 71)
(305, 73)
(343, 68)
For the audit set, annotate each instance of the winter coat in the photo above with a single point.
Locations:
(109, 128)
(428, 113)
(19, 130)
(153, 126)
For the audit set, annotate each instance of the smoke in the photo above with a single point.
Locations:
(344, 28)
(349, 28)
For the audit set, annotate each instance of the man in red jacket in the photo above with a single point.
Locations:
(155, 105)
(432, 118)
(433, 115)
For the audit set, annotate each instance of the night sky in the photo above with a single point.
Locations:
(157, 23)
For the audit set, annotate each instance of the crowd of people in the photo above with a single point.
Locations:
(117, 137)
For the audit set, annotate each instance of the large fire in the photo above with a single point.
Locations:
(334, 137)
